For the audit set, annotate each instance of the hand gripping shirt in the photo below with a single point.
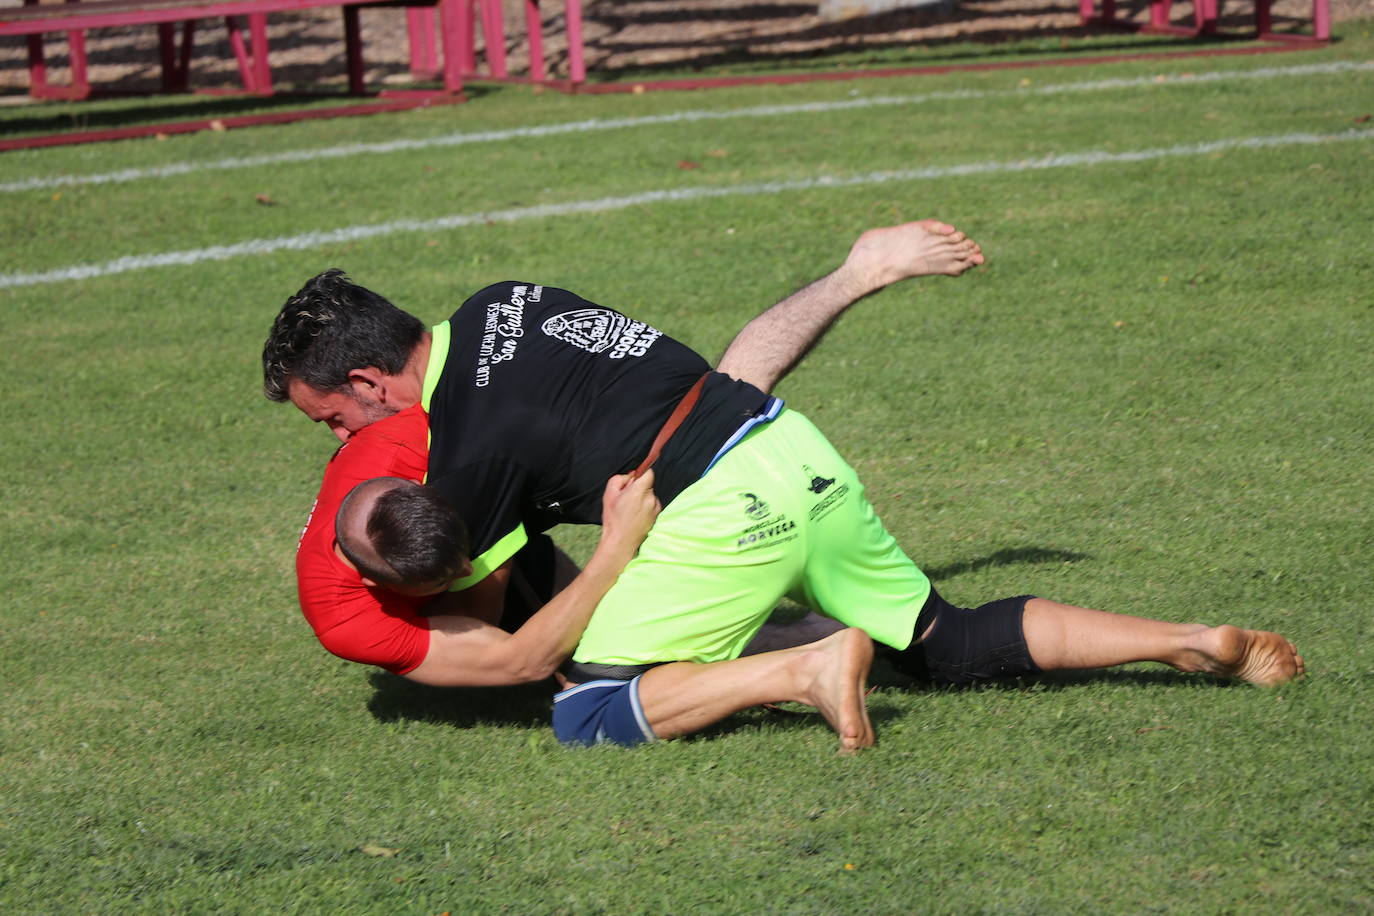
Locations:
(537, 396)
(364, 624)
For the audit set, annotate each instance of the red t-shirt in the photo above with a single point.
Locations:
(368, 625)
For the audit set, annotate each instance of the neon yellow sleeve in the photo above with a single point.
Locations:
(495, 555)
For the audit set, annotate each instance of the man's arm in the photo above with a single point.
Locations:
(770, 345)
(466, 652)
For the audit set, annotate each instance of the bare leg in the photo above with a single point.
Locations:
(1061, 636)
(770, 345)
(830, 675)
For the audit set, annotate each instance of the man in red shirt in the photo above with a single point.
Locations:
(354, 621)
(358, 620)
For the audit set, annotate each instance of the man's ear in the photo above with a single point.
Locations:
(368, 383)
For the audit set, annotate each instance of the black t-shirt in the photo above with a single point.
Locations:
(543, 396)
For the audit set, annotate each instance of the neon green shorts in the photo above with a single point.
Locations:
(780, 515)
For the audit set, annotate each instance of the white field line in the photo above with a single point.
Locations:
(605, 204)
(681, 117)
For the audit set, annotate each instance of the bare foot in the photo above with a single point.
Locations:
(921, 249)
(837, 689)
(1254, 656)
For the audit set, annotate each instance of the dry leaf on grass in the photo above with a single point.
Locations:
(377, 852)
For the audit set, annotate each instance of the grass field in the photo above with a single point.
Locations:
(1156, 398)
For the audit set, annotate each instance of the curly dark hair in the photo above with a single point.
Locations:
(331, 327)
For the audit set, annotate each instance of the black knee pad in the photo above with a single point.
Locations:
(968, 646)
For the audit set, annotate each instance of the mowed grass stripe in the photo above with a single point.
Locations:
(308, 240)
(96, 224)
(591, 125)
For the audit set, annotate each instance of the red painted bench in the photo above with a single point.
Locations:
(450, 23)
(422, 42)
(1205, 15)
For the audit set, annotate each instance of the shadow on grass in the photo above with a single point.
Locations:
(1055, 681)
(107, 113)
(1160, 677)
(878, 56)
(1011, 556)
(769, 34)
(461, 707)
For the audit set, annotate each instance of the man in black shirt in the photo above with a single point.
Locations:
(346, 357)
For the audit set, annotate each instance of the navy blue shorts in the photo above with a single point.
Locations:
(601, 712)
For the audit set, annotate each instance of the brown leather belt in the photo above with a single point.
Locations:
(680, 412)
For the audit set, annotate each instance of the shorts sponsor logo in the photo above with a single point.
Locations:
(774, 531)
(832, 501)
(754, 507)
(768, 529)
(599, 330)
(818, 484)
(501, 333)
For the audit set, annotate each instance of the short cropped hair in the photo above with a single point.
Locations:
(418, 537)
(331, 327)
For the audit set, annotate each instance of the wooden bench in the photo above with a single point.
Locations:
(449, 23)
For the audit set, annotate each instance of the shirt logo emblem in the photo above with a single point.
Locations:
(598, 330)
